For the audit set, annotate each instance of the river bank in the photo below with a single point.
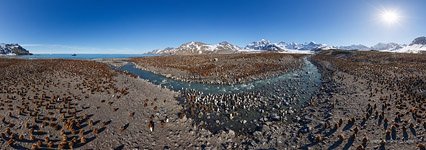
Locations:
(83, 104)
(221, 68)
(371, 100)
(59, 103)
(243, 108)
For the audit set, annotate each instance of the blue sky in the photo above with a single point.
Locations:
(138, 26)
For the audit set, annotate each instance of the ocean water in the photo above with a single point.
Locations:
(81, 56)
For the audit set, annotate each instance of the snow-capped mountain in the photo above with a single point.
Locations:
(417, 46)
(307, 46)
(285, 47)
(377, 47)
(386, 46)
(226, 48)
(354, 47)
(419, 41)
(13, 49)
(264, 45)
(199, 48)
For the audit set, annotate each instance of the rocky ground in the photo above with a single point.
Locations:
(367, 100)
(68, 104)
(370, 100)
(221, 68)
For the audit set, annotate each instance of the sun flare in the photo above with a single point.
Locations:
(390, 16)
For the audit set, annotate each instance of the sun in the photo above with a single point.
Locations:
(390, 16)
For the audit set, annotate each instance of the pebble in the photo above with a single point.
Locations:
(275, 117)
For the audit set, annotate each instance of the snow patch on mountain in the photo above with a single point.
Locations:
(354, 47)
(386, 46)
(416, 48)
(199, 48)
(265, 45)
(12, 49)
(418, 45)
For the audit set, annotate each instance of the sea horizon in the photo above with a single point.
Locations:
(79, 56)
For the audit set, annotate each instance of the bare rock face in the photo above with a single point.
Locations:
(419, 41)
(13, 49)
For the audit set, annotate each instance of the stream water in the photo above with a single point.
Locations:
(278, 95)
(308, 76)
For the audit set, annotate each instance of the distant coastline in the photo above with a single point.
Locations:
(78, 56)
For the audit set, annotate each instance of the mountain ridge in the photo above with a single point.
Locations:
(13, 49)
(416, 46)
(199, 48)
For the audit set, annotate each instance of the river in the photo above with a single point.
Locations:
(249, 104)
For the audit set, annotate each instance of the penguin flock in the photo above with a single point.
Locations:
(40, 102)
(222, 68)
(394, 110)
